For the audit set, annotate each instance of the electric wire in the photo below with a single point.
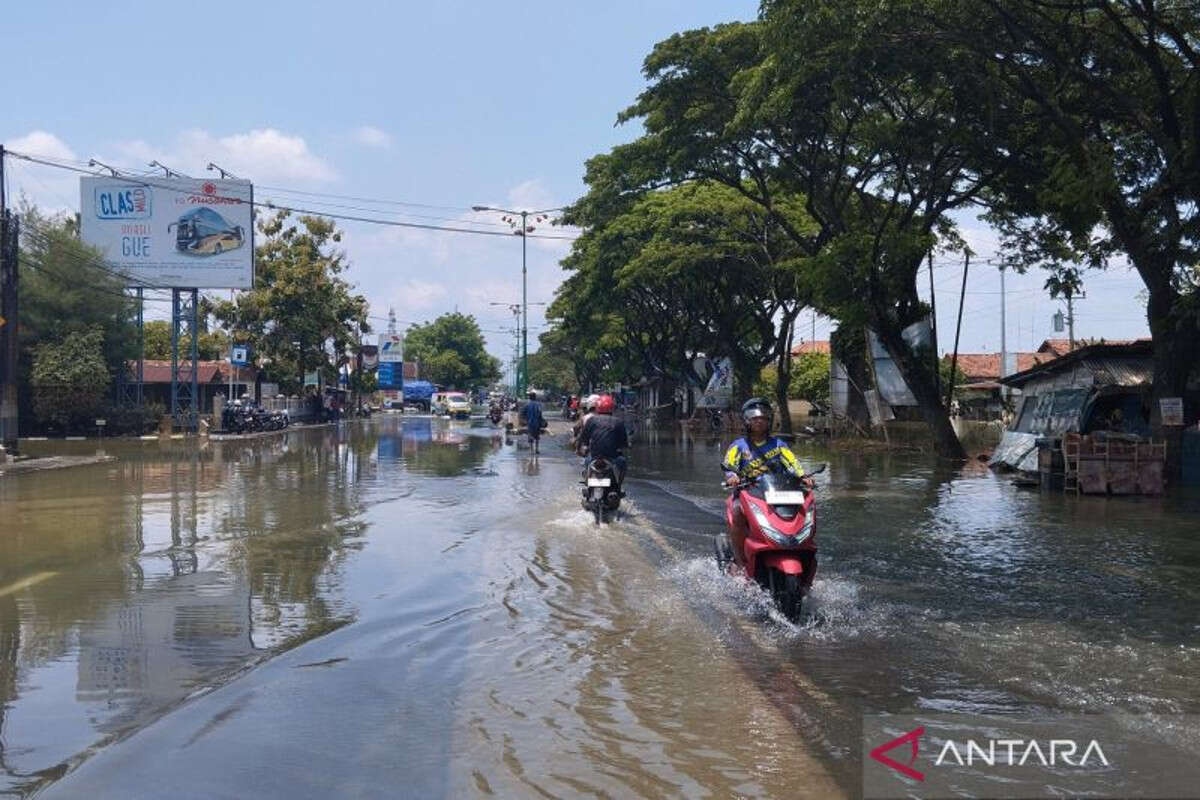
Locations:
(164, 183)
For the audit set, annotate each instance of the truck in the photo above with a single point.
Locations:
(418, 393)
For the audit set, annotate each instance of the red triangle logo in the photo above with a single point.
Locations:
(913, 738)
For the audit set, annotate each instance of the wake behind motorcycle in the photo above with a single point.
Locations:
(778, 550)
(601, 490)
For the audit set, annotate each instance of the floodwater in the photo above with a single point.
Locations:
(414, 607)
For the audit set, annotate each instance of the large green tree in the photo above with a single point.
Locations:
(302, 314)
(693, 268)
(1109, 93)
(67, 291)
(451, 352)
(831, 101)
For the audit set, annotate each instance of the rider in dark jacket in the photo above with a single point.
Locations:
(604, 436)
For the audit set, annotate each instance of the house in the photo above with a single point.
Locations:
(813, 346)
(213, 377)
(1073, 405)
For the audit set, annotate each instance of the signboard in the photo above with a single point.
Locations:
(240, 355)
(391, 348)
(172, 232)
(311, 379)
(1171, 409)
(389, 376)
(719, 392)
(370, 356)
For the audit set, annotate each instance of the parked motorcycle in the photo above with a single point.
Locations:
(601, 490)
(779, 552)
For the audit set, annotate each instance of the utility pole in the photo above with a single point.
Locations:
(957, 330)
(937, 373)
(1071, 318)
(8, 322)
(1003, 340)
(525, 230)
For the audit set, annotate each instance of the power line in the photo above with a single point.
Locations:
(165, 184)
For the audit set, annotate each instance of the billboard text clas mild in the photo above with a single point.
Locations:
(179, 232)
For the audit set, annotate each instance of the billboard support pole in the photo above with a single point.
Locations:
(185, 342)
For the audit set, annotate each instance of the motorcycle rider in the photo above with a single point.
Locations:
(754, 454)
(604, 436)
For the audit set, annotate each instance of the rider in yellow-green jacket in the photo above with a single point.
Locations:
(756, 453)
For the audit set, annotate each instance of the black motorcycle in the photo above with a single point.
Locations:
(602, 490)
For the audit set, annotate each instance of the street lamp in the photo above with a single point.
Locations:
(523, 231)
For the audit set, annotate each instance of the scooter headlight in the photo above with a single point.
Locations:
(777, 536)
(767, 528)
(806, 530)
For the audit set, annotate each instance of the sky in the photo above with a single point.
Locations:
(412, 112)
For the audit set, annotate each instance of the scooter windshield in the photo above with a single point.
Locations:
(774, 481)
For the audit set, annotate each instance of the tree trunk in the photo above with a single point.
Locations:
(916, 371)
(1176, 350)
(783, 375)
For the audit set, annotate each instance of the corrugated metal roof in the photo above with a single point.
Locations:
(1121, 371)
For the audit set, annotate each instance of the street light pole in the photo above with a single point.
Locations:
(523, 374)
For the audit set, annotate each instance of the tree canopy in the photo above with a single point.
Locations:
(451, 352)
(302, 314)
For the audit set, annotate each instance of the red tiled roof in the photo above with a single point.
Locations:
(159, 371)
(1060, 347)
(986, 366)
(815, 346)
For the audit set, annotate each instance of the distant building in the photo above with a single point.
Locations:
(212, 377)
(813, 346)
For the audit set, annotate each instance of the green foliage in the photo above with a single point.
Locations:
(663, 277)
(70, 380)
(213, 345)
(809, 379)
(301, 315)
(66, 293)
(552, 370)
(451, 352)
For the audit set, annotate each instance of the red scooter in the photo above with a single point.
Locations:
(779, 551)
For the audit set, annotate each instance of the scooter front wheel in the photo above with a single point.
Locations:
(788, 593)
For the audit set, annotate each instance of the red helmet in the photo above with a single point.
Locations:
(606, 404)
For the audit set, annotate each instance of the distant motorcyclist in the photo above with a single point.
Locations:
(587, 405)
(754, 454)
(604, 436)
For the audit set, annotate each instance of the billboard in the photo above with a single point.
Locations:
(391, 348)
(172, 232)
(390, 376)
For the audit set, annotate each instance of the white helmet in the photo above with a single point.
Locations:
(589, 402)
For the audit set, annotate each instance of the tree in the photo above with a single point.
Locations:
(552, 370)
(451, 351)
(301, 315)
(70, 379)
(690, 269)
(834, 102)
(213, 345)
(67, 291)
(1109, 92)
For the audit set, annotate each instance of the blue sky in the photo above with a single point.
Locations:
(446, 104)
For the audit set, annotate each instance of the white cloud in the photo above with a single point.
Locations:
(52, 190)
(371, 136)
(262, 155)
(42, 143)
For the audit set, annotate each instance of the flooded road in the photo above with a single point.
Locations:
(413, 607)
